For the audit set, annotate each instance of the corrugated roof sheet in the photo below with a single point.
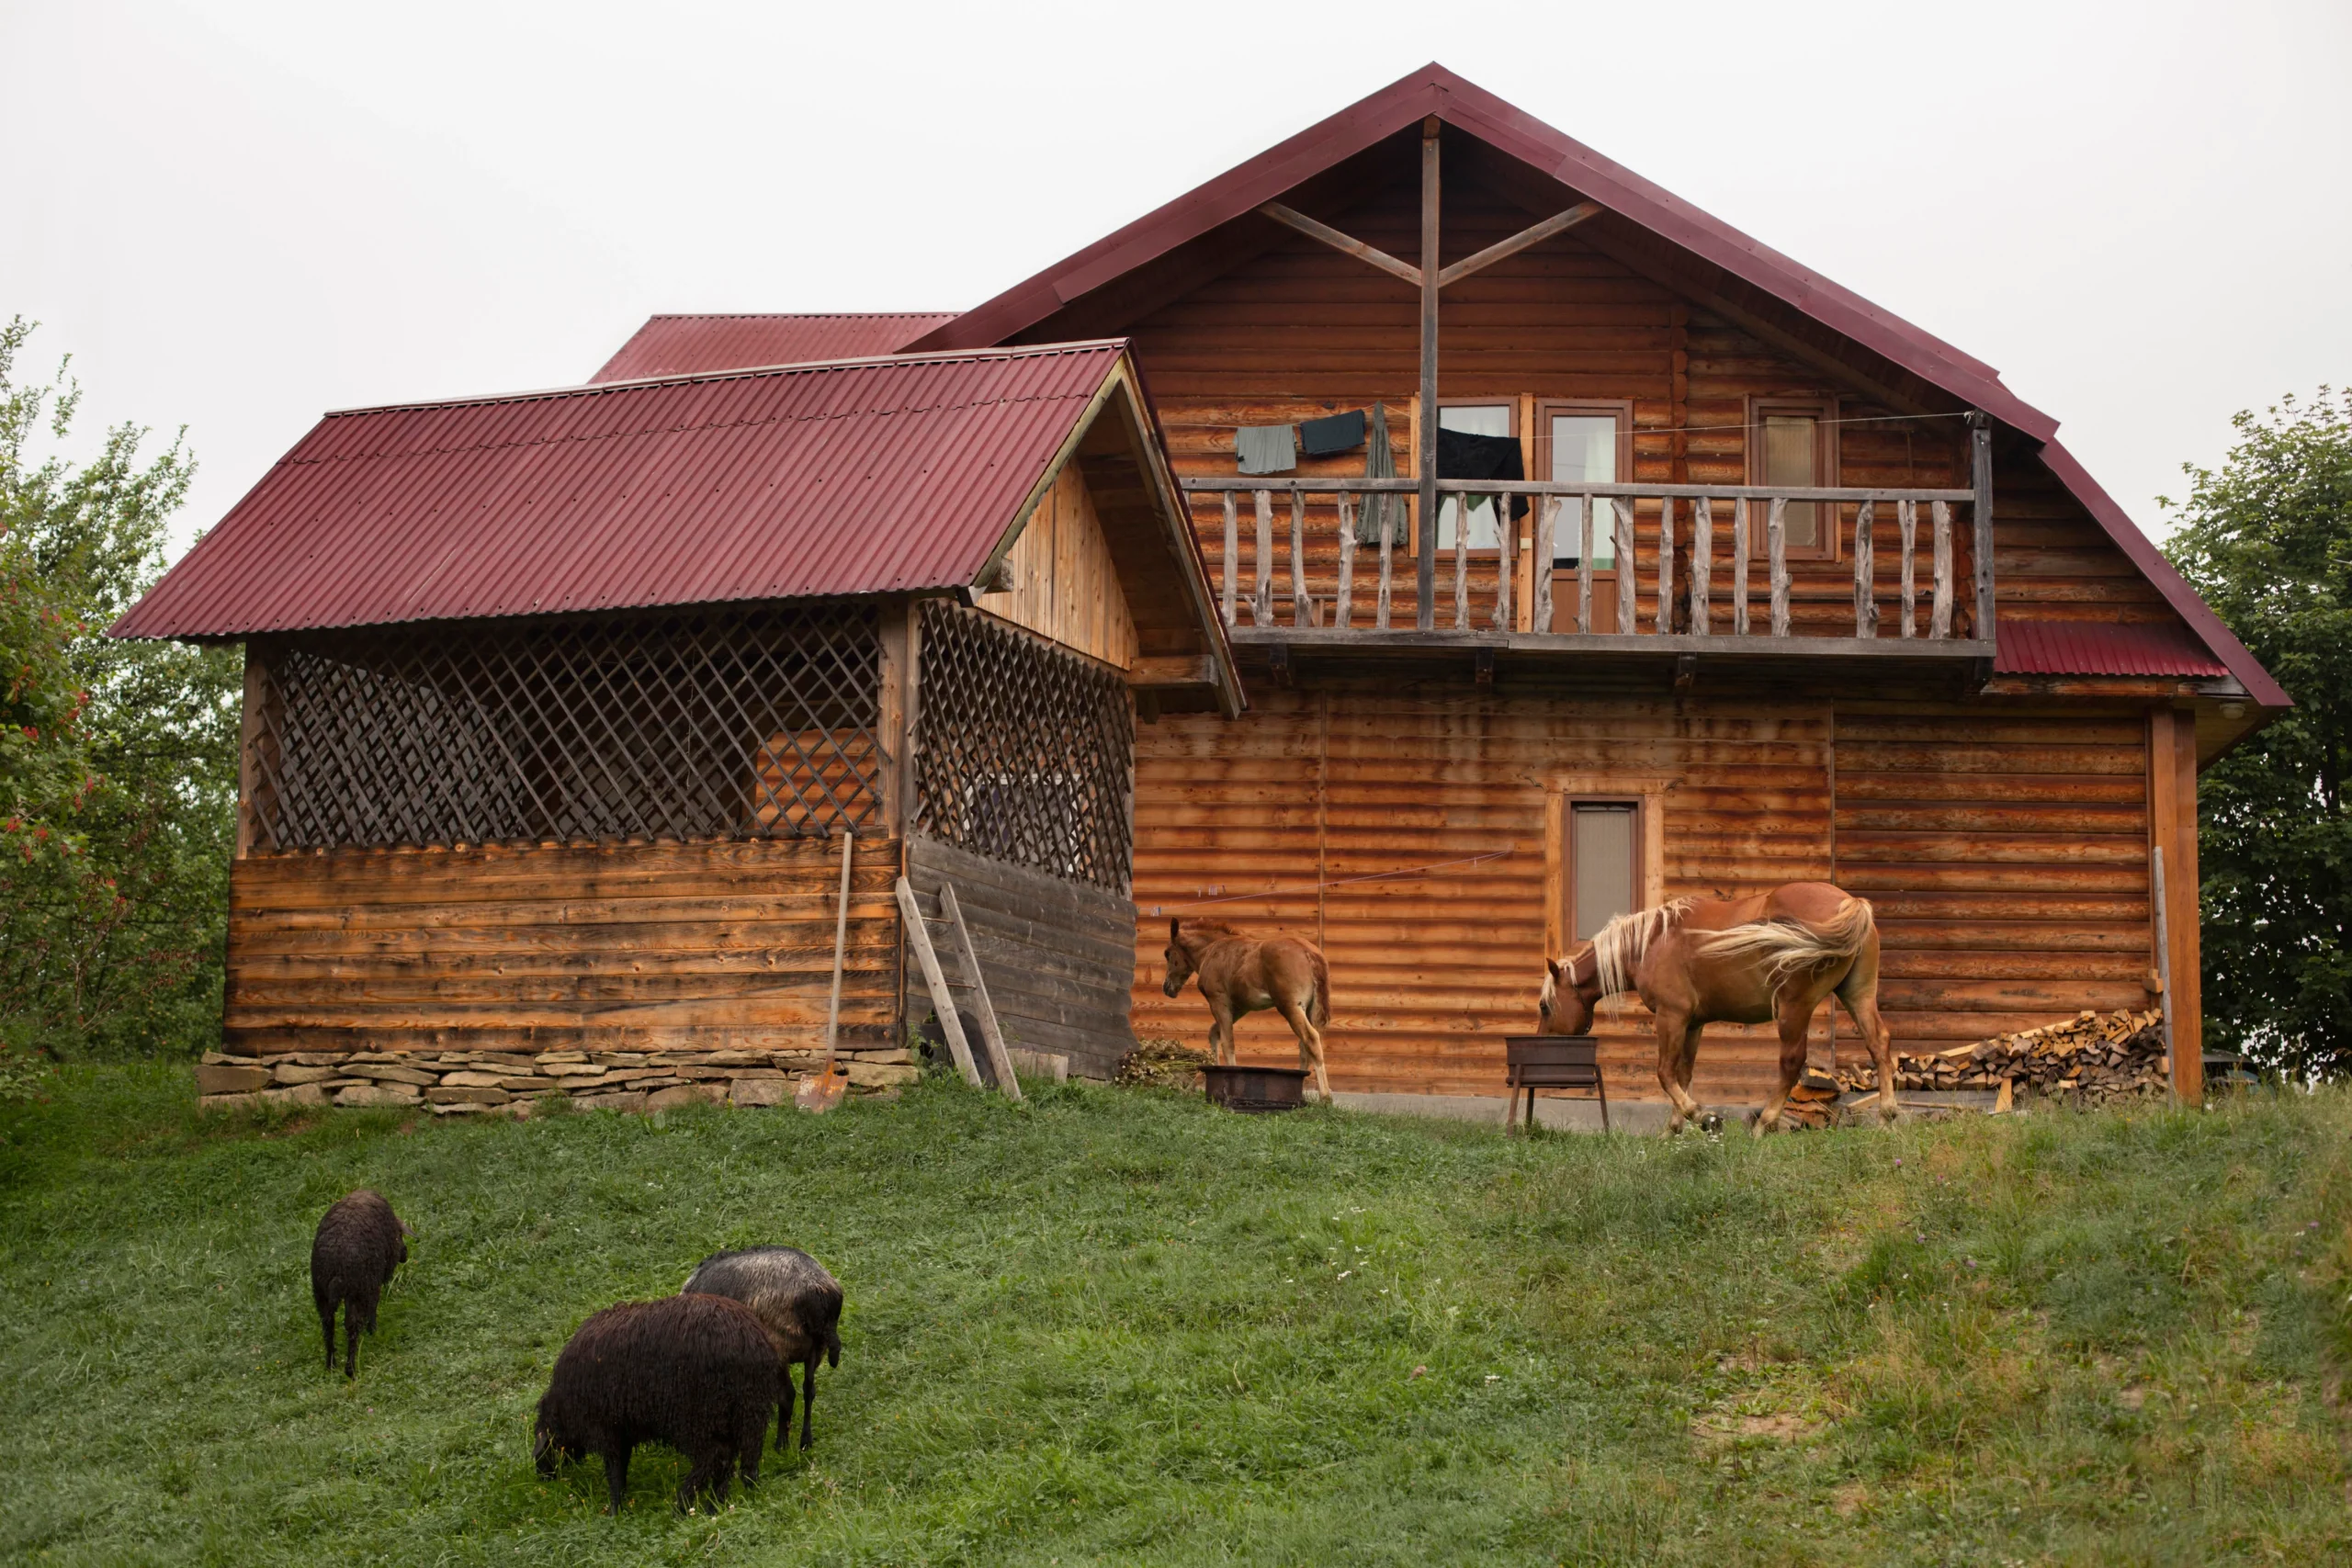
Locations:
(692, 345)
(850, 478)
(2102, 648)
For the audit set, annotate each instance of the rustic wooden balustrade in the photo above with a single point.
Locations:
(1585, 509)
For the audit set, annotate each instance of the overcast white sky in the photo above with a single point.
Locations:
(236, 216)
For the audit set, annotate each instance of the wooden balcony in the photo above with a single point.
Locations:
(1700, 569)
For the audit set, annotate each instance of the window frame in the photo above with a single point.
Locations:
(1636, 879)
(1823, 411)
(1619, 408)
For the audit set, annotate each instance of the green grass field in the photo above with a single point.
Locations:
(1115, 1326)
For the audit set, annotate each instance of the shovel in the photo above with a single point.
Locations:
(821, 1090)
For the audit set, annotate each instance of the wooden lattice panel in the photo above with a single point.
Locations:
(1024, 752)
(695, 726)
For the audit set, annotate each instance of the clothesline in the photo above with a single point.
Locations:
(1334, 882)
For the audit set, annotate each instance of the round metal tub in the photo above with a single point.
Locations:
(1255, 1089)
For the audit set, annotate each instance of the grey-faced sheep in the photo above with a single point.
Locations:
(697, 1373)
(359, 1243)
(798, 1302)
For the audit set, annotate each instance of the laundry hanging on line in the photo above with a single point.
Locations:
(1462, 456)
(1266, 449)
(1332, 435)
(1380, 463)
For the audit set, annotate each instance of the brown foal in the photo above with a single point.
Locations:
(1769, 958)
(1244, 975)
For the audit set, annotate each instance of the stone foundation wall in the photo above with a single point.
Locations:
(492, 1083)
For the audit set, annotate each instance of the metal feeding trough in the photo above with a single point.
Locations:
(1255, 1089)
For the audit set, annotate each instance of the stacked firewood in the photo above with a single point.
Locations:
(2092, 1058)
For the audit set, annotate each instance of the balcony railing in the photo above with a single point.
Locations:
(1325, 579)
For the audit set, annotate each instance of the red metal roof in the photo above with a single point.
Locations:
(1434, 90)
(852, 478)
(2102, 648)
(691, 345)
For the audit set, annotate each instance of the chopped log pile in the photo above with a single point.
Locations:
(1169, 1063)
(479, 1083)
(2093, 1058)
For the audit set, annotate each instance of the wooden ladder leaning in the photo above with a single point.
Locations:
(942, 999)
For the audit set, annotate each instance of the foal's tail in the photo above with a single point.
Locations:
(1784, 947)
(1318, 1009)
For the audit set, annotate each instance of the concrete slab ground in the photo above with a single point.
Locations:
(1639, 1117)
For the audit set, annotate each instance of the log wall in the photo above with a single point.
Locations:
(626, 947)
(2005, 853)
(1056, 956)
(1300, 331)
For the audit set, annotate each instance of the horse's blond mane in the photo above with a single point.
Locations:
(1618, 948)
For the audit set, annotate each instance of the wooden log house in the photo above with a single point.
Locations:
(558, 705)
(1789, 589)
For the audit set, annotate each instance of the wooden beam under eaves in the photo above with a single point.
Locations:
(1346, 244)
(1533, 234)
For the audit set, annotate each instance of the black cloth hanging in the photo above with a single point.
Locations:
(1462, 456)
(1328, 436)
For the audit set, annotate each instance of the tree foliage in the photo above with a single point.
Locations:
(2268, 540)
(118, 765)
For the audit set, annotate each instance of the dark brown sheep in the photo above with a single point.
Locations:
(697, 1373)
(359, 1243)
(797, 1302)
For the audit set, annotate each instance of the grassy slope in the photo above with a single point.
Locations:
(1115, 1326)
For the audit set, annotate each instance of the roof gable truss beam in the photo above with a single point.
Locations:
(1534, 234)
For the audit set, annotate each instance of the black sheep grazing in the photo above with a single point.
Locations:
(798, 1302)
(352, 1259)
(697, 1373)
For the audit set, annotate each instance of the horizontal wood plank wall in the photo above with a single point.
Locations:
(628, 947)
(1430, 970)
(2005, 850)
(1056, 956)
(1064, 583)
(1302, 331)
(2005, 855)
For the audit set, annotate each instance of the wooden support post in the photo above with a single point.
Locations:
(1262, 599)
(1584, 565)
(1460, 563)
(896, 637)
(1232, 553)
(1865, 575)
(1626, 587)
(943, 1001)
(1299, 615)
(999, 1058)
(1425, 563)
(257, 753)
(1547, 525)
(1907, 519)
(1389, 506)
(1665, 566)
(1739, 568)
(1979, 449)
(1346, 611)
(2157, 901)
(1776, 549)
(1702, 568)
(1939, 613)
(1506, 562)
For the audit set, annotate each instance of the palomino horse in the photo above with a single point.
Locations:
(1767, 958)
(1242, 975)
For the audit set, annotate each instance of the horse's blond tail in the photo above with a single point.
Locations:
(1786, 947)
